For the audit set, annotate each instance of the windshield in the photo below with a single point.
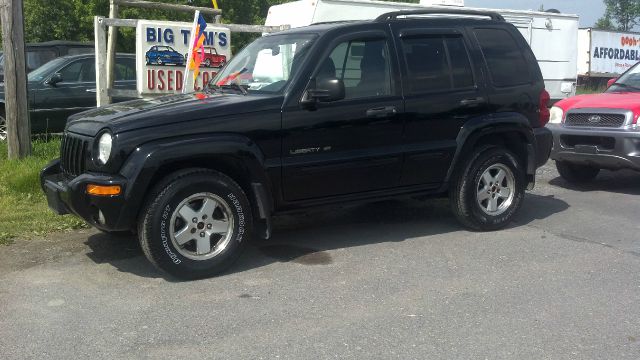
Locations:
(45, 70)
(267, 64)
(629, 81)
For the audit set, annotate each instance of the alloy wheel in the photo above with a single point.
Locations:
(496, 189)
(201, 226)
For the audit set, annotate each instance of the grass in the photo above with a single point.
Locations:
(590, 90)
(23, 207)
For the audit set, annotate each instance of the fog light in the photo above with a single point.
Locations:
(103, 190)
(101, 219)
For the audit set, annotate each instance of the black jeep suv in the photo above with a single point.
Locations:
(407, 104)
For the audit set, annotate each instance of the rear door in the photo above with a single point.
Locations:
(442, 91)
(125, 76)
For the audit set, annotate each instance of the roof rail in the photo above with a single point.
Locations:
(394, 14)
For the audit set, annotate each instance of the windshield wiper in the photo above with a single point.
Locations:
(236, 86)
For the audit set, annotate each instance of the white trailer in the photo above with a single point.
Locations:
(552, 37)
(606, 54)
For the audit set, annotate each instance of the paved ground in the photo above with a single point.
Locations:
(381, 281)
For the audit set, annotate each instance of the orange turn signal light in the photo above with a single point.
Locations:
(103, 190)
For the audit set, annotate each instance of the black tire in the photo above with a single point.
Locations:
(3, 126)
(155, 228)
(576, 173)
(465, 188)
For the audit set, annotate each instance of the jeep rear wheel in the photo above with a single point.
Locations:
(488, 190)
(576, 173)
(195, 224)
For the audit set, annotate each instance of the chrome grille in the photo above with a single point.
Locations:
(595, 120)
(73, 152)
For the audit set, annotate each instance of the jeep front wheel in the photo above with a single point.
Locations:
(488, 190)
(195, 224)
(576, 173)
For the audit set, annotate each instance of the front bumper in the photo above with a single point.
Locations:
(68, 195)
(613, 148)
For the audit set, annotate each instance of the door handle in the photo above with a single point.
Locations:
(91, 90)
(473, 101)
(381, 112)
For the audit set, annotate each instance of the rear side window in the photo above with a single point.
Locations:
(506, 62)
(437, 63)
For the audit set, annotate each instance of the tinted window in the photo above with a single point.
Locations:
(79, 71)
(504, 59)
(363, 65)
(460, 66)
(125, 69)
(437, 63)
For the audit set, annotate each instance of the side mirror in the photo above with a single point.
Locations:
(326, 90)
(54, 79)
(611, 81)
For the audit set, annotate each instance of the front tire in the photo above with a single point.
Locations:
(3, 126)
(196, 224)
(488, 189)
(576, 173)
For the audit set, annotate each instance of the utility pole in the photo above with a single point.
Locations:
(15, 79)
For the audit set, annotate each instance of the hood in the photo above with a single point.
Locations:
(172, 109)
(617, 100)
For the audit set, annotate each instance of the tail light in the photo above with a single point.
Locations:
(543, 107)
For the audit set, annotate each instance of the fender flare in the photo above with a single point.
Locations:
(142, 165)
(478, 127)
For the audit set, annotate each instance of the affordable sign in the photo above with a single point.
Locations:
(161, 55)
(613, 52)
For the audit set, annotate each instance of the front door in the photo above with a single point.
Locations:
(54, 103)
(351, 145)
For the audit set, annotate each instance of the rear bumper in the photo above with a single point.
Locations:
(65, 195)
(603, 148)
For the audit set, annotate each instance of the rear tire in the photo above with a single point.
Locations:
(488, 189)
(576, 173)
(196, 224)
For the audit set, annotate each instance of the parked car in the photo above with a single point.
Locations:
(65, 86)
(38, 54)
(598, 131)
(163, 55)
(400, 106)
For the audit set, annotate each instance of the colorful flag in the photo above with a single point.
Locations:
(197, 49)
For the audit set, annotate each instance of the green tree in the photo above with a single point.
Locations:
(622, 15)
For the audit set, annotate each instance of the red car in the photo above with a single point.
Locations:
(212, 58)
(598, 131)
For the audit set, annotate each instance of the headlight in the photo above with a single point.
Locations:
(104, 147)
(556, 115)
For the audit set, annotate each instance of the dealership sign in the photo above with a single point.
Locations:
(161, 53)
(613, 52)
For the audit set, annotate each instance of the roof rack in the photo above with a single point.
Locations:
(394, 14)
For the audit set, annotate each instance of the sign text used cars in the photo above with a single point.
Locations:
(161, 55)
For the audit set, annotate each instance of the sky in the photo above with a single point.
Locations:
(588, 10)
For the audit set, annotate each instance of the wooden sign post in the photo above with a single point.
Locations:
(15, 79)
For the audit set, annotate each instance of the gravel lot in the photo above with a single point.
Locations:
(390, 280)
